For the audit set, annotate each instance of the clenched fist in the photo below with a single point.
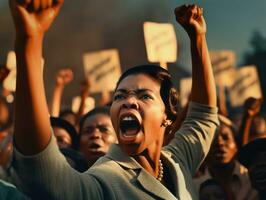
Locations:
(63, 77)
(34, 17)
(190, 17)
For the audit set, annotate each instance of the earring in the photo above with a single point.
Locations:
(166, 123)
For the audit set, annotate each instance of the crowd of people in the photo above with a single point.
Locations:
(139, 144)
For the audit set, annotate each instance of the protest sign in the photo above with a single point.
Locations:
(223, 63)
(89, 104)
(161, 43)
(103, 69)
(11, 63)
(185, 90)
(246, 85)
(10, 81)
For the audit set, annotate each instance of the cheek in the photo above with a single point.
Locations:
(83, 140)
(109, 139)
(156, 118)
(232, 146)
(232, 149)
(113, 115)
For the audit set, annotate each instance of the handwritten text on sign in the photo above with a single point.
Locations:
(103, 68)
(223, 63)
(246, 85)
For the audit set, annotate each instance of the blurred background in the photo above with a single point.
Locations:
(90, 25)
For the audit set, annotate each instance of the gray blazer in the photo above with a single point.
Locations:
(118, 176)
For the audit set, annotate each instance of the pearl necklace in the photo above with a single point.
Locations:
(160, 174)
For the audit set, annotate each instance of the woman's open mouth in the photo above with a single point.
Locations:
(130, 126)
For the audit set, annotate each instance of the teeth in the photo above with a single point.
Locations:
(128, 118)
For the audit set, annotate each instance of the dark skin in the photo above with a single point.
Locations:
(221, 158)
(251, 108)
(203, 91)
(63, 77)
(32, 21)
(96, 136)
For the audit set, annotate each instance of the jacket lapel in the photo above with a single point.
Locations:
(177, 175)
(147, 181)
(172, 167)
(151, 185)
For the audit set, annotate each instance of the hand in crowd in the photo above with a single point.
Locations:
(252, 106)
(63, 77)
(191, 19)
(34, 17)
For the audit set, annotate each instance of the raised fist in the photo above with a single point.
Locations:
(63, 77)
(252, 106)
(190, 17)
(34, 17)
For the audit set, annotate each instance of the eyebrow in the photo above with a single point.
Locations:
(137, 91)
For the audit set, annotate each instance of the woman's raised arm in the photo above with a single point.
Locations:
(32, 18)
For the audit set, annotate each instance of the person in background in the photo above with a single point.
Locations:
(223, 168)
(69, 116)
(252, 124)
(5, 114)
(75, 159)
(211, 190)
(96, 134)
(253, 157)
(66, 135)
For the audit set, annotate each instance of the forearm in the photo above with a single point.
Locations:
(32, 126)
(56, 101)
(83, 96)
(244, 129)
(38, 174)
(203, 85)
(222, 101)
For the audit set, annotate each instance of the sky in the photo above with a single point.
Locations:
(230, 23)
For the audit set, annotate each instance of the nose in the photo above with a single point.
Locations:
(95, 134)
(220, 141)
(130, 103)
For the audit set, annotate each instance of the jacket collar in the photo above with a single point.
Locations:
(146, 180)
(116, 154)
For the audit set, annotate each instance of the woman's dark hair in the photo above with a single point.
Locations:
(168, 93)
(98, 110)
(61, 123)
